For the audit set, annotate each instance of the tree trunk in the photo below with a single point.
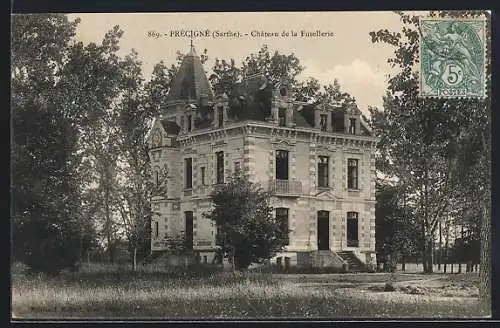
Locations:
(134, 260)
(431, 255)
(485, 258)
(428, 255)
(81, 255)
(440, 247)
(233, 264)
(447, 237)
(424, 248)
(403, 264)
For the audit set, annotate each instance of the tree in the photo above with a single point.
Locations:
(396, 235)
(246, 226)
(418, 136)
(102, 156)
(134, 116)
(224, 75)
(279, 67)
(159, 85)
(48, 233)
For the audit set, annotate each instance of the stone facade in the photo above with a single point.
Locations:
(181, 145)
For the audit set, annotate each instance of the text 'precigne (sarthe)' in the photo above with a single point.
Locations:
(181, 33)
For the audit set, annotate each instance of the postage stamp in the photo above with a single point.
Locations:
(452, 57)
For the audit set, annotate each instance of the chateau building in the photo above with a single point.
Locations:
(317, 161)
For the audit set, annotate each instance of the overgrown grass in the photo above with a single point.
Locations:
(103, 292)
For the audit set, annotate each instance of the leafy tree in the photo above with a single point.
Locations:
(418, 136)
(159, 85)
(396, 233)
(136, 187)
(48, 231)
(278, 66)
(102, 156)
(246, 226)
(94, 70)
(224, 75)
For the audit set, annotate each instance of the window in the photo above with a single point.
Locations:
(282, 218)
(189, 123)
(205, 259)
(352, 229)
(157, 229)
(189, 232)
(352, 173)
(203, 176)
(188, 165)
(157, 177)
(182, 123)
(221, 116)
(237, 168)
(281, 165)
(323, 230)
(282, 116)
(323, 119)
(323, 171)
(352, 126)
(220, 166)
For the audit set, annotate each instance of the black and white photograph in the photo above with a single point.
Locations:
(330, 165)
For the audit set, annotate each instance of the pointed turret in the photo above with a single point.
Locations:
(190, 82)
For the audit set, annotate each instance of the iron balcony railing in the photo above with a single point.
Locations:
(285, 187)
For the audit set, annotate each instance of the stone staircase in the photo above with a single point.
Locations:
(355, 264)
(325, 259)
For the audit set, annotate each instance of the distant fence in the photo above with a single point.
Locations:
(450, 268)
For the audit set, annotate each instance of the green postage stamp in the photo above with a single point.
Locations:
(452, 57)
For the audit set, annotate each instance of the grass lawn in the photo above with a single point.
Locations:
(116, 292)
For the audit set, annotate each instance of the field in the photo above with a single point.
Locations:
(98, 292)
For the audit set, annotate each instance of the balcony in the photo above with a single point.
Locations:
(288, 188)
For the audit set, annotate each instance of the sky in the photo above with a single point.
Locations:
(346, 53)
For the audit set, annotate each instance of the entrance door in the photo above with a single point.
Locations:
(352, 229)
(323, 230)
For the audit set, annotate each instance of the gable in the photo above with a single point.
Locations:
(326, 195)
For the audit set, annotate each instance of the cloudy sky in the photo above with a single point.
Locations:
(349, 55)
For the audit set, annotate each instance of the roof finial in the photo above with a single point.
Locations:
(191, 46)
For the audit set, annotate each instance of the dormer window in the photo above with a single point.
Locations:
(182, 123)
(220, 110)
(190, 123)
(323, 119)
(156, 142)
(282, 116)
(283, 92)
(352, 126)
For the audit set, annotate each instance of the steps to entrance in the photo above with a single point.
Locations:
(355, 264)
(326, 259)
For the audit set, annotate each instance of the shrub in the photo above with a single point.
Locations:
(389, 287)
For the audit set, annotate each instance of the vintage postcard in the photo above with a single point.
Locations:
(251, 165)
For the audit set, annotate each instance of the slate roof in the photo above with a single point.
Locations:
(300, 120)
(170, 126)
(251, 98)
(190, 82)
